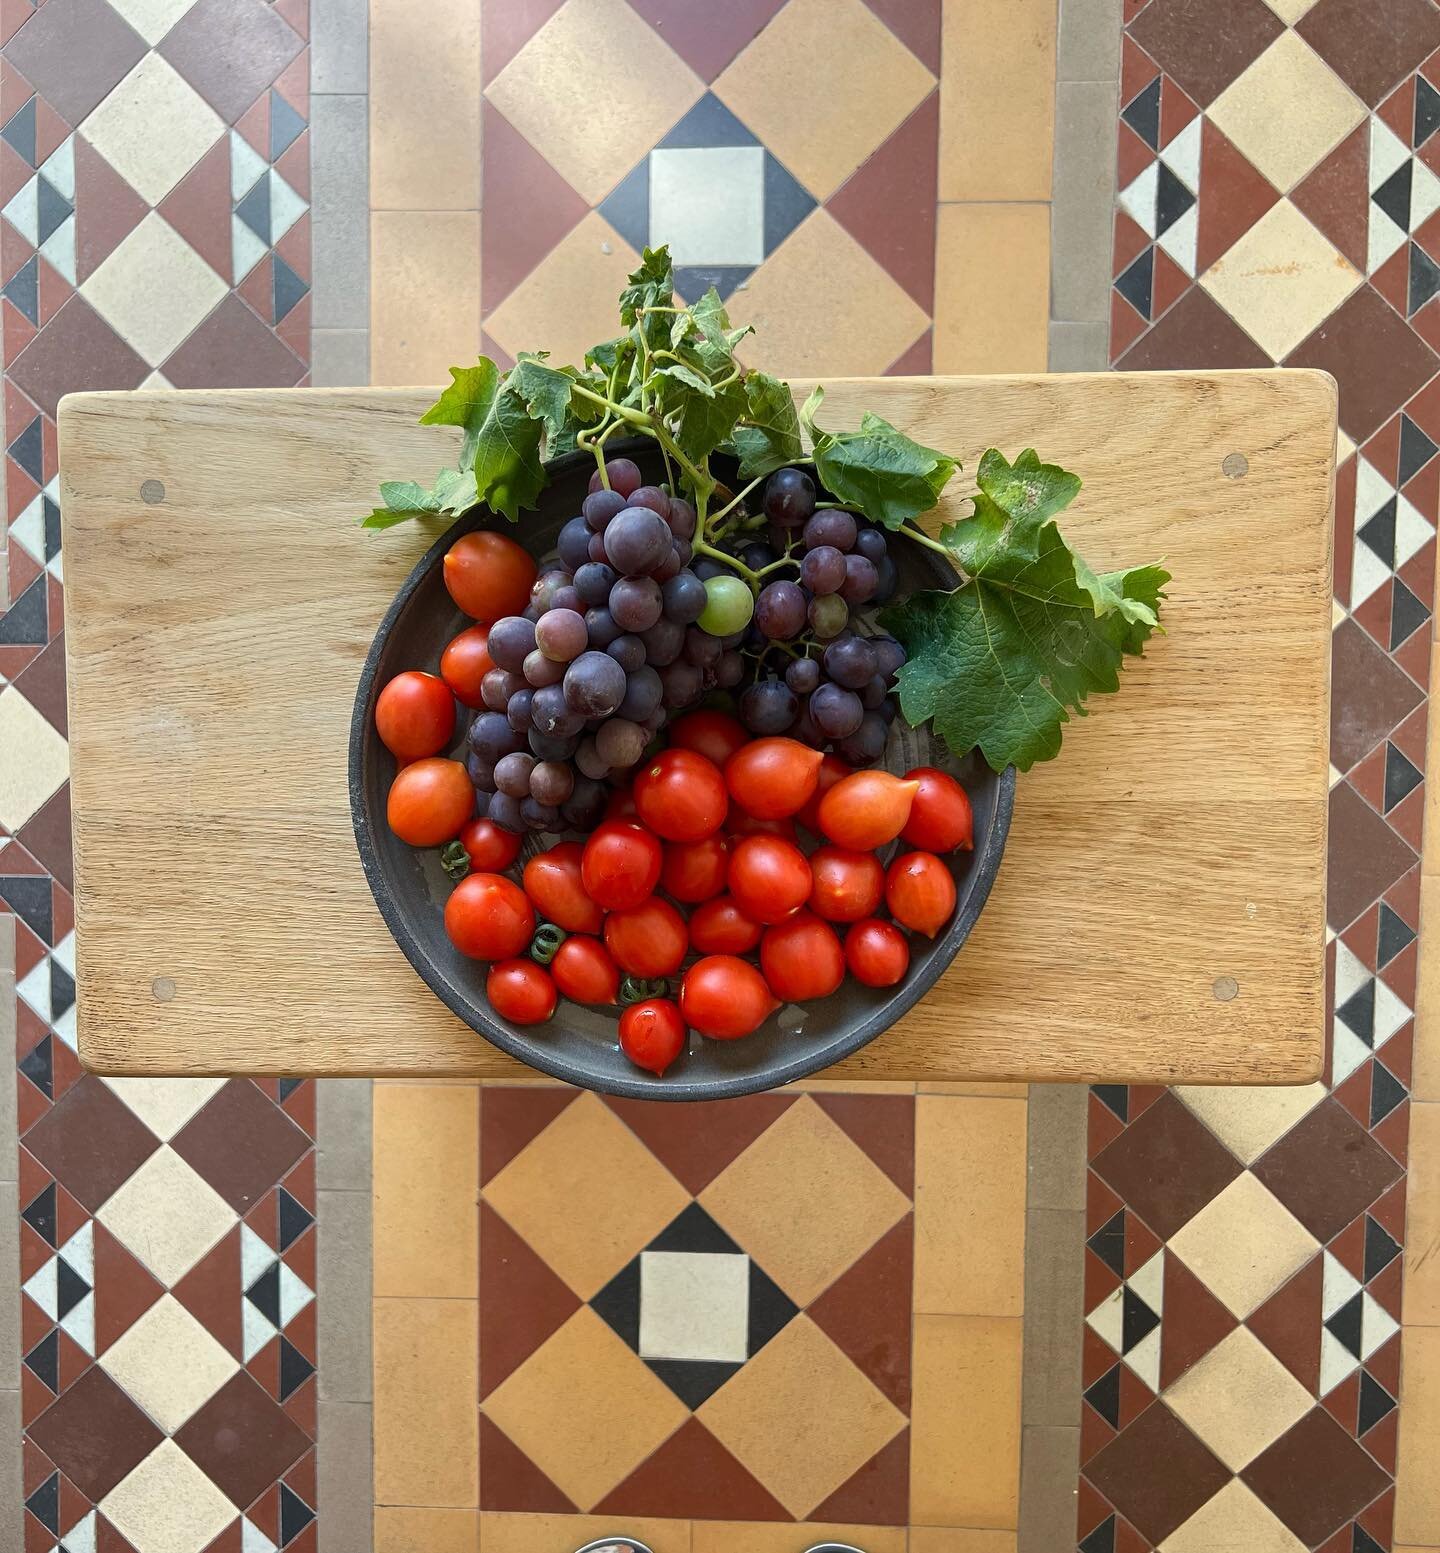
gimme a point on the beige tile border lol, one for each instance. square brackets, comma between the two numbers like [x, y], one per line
[11, 1489]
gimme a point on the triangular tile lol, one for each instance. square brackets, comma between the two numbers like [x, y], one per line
[1177, 111]
[124, 1290]
[1126, 325]
[1169, 285]
[19, 132]
[866, 1312]
[1288, 1323]
[1137, 283]
[882, 1125]
[1424, 279]
[208, 1292]
[523, 1302]
[1407, 615]
[696, 1146]
[198, 207]
[1142, 114]
[285, 127]
[1401, 777]
[509, 1480]
[916, 360]
[692, 1475]
[258, 289]
[1380, 1249]
[288, 290]
[107, 209]
[878, 1492]
[1195, 1321]
[512, 1116]
[1104, 1395]
[1233, 197]
[1108, 1243]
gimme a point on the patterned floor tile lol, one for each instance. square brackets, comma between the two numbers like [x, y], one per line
[73, 52]
[1205, 49]
[230, 51]
[1315, 1477]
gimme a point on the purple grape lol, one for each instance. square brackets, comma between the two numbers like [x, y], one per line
[636, 602]
[497, 687]
[621, 474]
[553, 746]
[574, 544]
[861, 580]
[552, 782]
[532, 612]
[887, 576]
[730, 670]
[491, 737]
[654, 498]
[867, 744]
[539, 816]
[512, 774]
[789, 497]
[831, 527]
[594, 685]
[684, 549]
[482, 804]
[621, 742]
[889, 655]
[547, 585]
[682, 518]
[593, 582]
[551, 712]
[628, 652]
[872, 544]
[560, 634]
[599, 507]
[664, 640]
[597, 547]
[780, 610]
[567, 598]
[510, 639]
[517, 714]
[481, 773]
[643, 692]
[802, 676]
[829, 615]
[705, 569]
[656, 721]
[836, 711]
[887, 709]
[873, 693]
[823, 569]
[587, 758]
[582, 810]
[759, 554]
[600, 623]
[540, 670]
[850, 661]
[768, 706]
[637, 541]
[804, 729]
[505, 812]
[669, 565]
[683, 597]
[702, 649]
[736, 639]
[681, 681]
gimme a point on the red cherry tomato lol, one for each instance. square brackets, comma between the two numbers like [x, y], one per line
[771, 778]
[415, 715]
[721, 927]
[465, 662]
[553, 881]
[847, 885]
[715, 735]
[489, 575]
[620, 805]
[620, 865]
[647, 940]
[832, 768]
[940, 817]
[695, 870]
[866, 809]
[585, 973]
[920, 892]
[652, 1034]
[725, 998]
[876, 952]
[488, 918]
[680, 795]
[429, 801]
[491, 849]
[520, 991]
[801, 958]
[741, 824]
[768, 877]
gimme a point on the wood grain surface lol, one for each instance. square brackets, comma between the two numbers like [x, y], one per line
[215, 636]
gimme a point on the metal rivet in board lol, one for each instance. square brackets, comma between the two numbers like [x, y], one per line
[152, 491]
[163, 988]
[1225, 988]
[1235, 466]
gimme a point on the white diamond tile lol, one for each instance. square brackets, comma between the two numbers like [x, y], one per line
[152, 19]
[28, 530]
[167, 1504]
[166, 1215]
[165, 1104]
[79, 1323]
[168, 1363]
[153, 128]
[708, 204]
[1244, 1244]
[42, 1287]
[1239, 1398]
[286, 207]
[34, 759]
[1137, 199]
[694, 1305]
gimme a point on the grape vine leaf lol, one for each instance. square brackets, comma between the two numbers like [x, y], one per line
[501, 438]
[452, 495]
[769, 436]
[466, 403]
[890, 477]
[1003, 661]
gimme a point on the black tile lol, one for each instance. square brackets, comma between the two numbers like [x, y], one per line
[53, 208]
[295, 1515]
[1407, 614]
[1416, 449]
[1386, 1092]
[1380, 1249]
[1115, 1096]
[39, 1214]
[693, 1230]
[1401, 777]
[20, 132]
[288, 1086]
[293, 1220]
[1427, 111]
[787, 203]
[627, 206]
[71, 1287]
[694, 280]
[295, 1368]
[27, 622]
[1362, 1542]
[1379, 532]
[286, 126]
[23, 289]
[62, 989]
[44, 1504]
[1102, 1539]
[1393, 196]
[1108, 1243]
[264, 1293]
[1344, 1325]
[286, 289]
[1142, 114]
[618, 1304]
[1172, 200]
[1136, 284]
[770, 1310]
[28, 895]
[254, 209]
[694, 1381]
[28, 450]
[38, 1065]
[1424, 280]
[1375, 1402]
[709, 123]
[1137, 1320]
[1104, 1396]
[43, 1360]
[1357, 1012]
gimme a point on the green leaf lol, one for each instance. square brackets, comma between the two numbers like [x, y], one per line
[1003, 661]
[452, 495]
[652, 285]
[545, 390]
[502, 439]
[770, 436]
[890, 477]
[466, 403]
[706, 421]
[687, 375]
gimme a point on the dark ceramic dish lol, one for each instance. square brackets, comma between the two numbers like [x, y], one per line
[579, 1044]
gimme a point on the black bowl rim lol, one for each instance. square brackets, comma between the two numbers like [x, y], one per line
[554, 1064]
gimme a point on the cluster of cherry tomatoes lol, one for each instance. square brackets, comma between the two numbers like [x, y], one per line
[701, 855]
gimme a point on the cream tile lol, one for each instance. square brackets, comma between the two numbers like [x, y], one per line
[1234, 1518]
[165, 1104]
[424, 296]
[767, 1537]
[407, 1530]
[153, 128]
[1425, 1083]
[801, 1375]
[166, 1215]
[587, 1195]
[1244, 1244]
[859, 83]
[548, 92]
[969, 1206]
[34, 759]
[950, 1539]
[153, 289]
[708, 203]
[168, 1363]
[1281, 280]
[1287, 110]
[511, 1533]
[985, 154]
[804, 1201]
[167, 1504]
[427, 1380]
[969, 1087]
[422, 159]
[1248, 1118]
[1417, 1487]
[992, 288]
[1422, 1227]
[965, 1422]
[1290, 11]
[426, 1185]
[821, 305]
[1239, 1398]
[152, 19]
[568, 301]
[585, 1409]
[840, 1086]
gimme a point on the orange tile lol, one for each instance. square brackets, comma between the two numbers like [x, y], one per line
[951, 1539]
[1422, 1229]
[992, 288]
[426, 1419]
[1426, 1081]
[424, 296]
[436, 1531]
[768, 1537]
[1417, 1496]
[512, 1533]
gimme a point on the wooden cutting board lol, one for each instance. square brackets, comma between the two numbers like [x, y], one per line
[1159, 914]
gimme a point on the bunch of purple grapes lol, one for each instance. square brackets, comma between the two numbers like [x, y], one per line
[606, 649]
[839, 691]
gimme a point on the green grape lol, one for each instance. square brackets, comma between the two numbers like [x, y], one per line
[728, 606]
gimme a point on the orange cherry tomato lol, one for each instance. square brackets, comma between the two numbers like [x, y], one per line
[876, 952]
[647, 940]
[620, 865]
[802, 958]
[940, 817]
[866, 809]
[489, 575]
[768, 877]
[725, 998]
[429, 801]
[520, 991]
[772, 778]
[488, 917]
[415, 715]
[680, 795]
[465, 662]
[738, 823]
[652, 1034]
[721, 927]
[715, 735]
[920, 892]
[553, 881]
[847, 885]
[491, 849]
[695, 870]
[832, 768]
[585, 973]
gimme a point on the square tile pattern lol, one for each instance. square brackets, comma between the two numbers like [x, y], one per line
[154, 161]
[652, 1347]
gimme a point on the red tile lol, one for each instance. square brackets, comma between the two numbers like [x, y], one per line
[1409, 736]
[210, 1292]
[1288, 1323]
[915, 22]
[241, 1439]
[1132, 158]
[1177, 109]
[1126, 325]
[1393, 1134]
[1137, 69]
[1315, 1477]
[1373, 616]
[882, 1125]
[240, 1144]
[1233, 197]
[1099, 1281]
[509, 1480]
[694, 1142]
[878, 1493]
[297, 13]
[107, 209]
[1167, 1166]
[522, 1302]
[198, 207]
[293, 164]
[1197, 334]
[691, 1475]
[124, 1290]
[94, 1433]
[506, 26]
[258, 289]
[866, 1313]
[1385, 1286]
[1407, 818]
[1095, 1434]
[266, 1513]
[1372, 44]
[293, 83]
[510, 1117]
[1397, 111]
[1140, 1244]
[1194, 1321]
[230, 51]
[1354, 1094]
[1205, 47]
[253, 126]
[1343, 1403]
[1157, 1502]
[915, 361]
[1392, 280]
[1326, 1170]
[77, 334]
[1169, 284]
[233, 349]
[91, 1142]
[1091, 1508]
[1135, 1396]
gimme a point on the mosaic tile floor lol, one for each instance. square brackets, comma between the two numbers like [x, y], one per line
[154, 231]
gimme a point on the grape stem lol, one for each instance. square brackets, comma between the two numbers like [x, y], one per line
[838, 506]
[700, 547]
[785, 560]
[921, 538]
